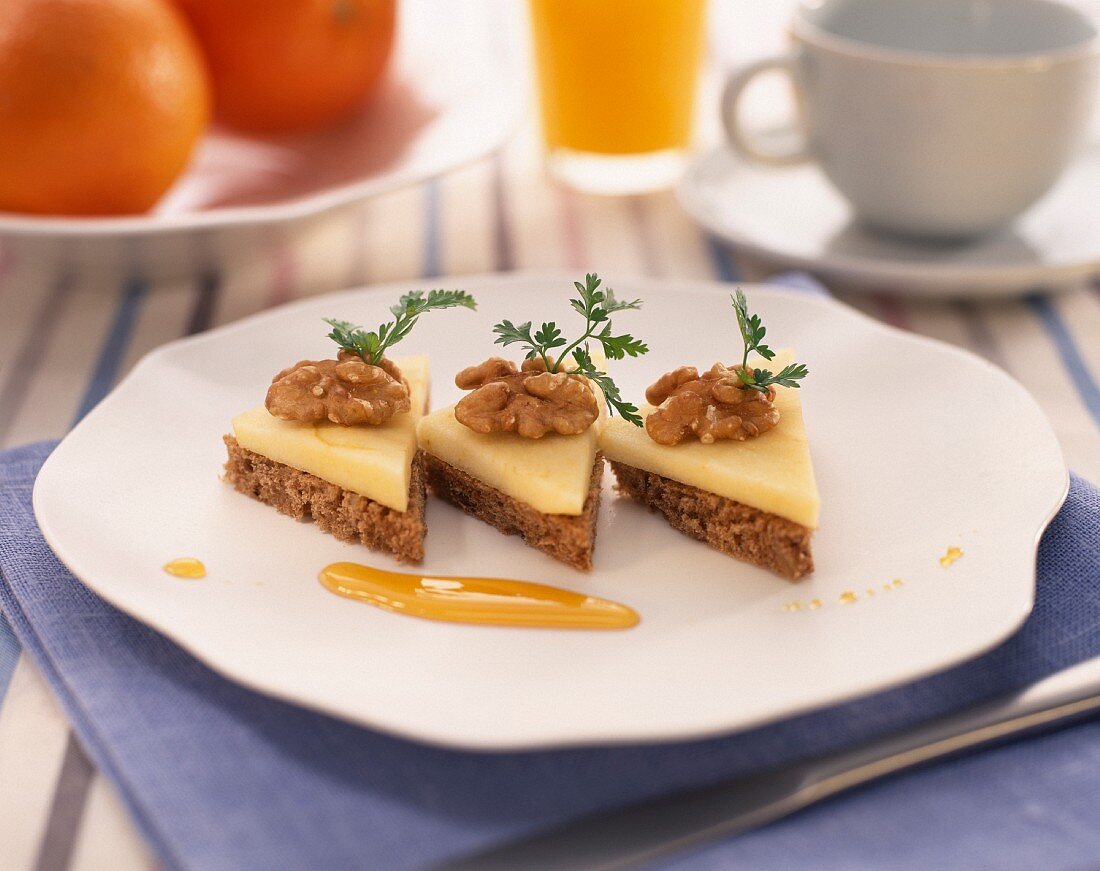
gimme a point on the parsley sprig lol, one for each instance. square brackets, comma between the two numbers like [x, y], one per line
[596, 306]
[752, 334]
[371, 346]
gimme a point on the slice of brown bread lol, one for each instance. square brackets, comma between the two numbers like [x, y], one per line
[346, 515]
[566, 537]
[746, 533]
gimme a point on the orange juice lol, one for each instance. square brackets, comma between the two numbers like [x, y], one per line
[617, 77]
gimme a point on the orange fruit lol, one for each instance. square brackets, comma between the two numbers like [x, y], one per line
[101, 104]
[281, 66]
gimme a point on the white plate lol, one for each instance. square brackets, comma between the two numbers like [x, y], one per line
[918, 446]
[792, 216]
[455, 90]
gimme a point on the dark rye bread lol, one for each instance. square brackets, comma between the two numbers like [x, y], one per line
[746, 533]
[566, 537]
[346, 515]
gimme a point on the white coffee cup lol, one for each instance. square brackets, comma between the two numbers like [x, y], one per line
[935, 118]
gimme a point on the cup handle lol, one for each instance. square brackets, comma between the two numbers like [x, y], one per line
[731, 100]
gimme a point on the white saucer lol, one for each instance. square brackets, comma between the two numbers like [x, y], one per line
[791, 215]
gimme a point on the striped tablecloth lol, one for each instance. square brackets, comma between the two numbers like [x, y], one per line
[66, 338]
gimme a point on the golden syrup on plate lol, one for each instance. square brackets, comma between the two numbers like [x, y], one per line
[186, 567]
[953, 553]
[847, 597]
[499, 601]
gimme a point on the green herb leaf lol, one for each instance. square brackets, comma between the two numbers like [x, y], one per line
[610, 304]
[628, 411]
[596, 305]
[549, 336]
[509, 334]
[371, 346]
[617, 347]
[790, 375]
[752, 336]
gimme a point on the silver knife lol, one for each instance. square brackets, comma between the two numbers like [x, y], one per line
[641, 834]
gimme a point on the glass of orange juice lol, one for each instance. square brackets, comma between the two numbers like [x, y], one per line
[616, 81]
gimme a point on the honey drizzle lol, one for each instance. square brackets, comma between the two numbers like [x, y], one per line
[850, 597]
[499, 601]
[953, 553]
[847, 597]
[185, 567]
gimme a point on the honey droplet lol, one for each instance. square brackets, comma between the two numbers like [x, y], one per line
[887, 587]
[815, 604]
[870, 591]
[897, 582]
[186, 567]
[953, 553]
[848, 597]
[793, 606]
[475, 600]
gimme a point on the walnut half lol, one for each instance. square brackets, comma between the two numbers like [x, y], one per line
[710, 407]
[347, 391]
[529, 401]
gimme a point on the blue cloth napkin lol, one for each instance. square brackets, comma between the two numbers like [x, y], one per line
[218, 777]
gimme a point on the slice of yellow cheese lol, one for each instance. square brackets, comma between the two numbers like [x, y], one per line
[551, 474]
[373, 461]
[772, 472]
